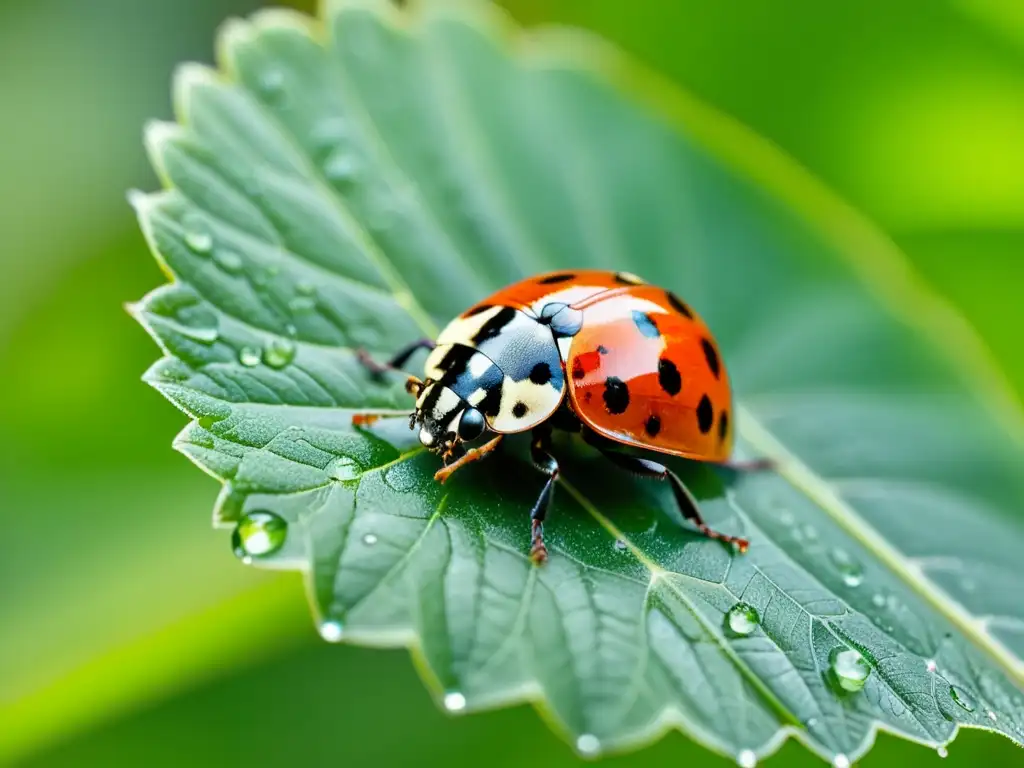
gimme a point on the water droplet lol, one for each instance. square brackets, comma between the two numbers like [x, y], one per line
[305, 289]
[942, 752]
[840, 761]
[587, 744]
[400, 477]
[249, 356]
[992, 716]
[331, 631]
[341, 167]
[620, 545]
[272, 83]
[962, 698]
[742, 619]
[930, 665]
[454, 701]
[229, 261]
[278, 353]
[207, 422]
[746, 759]
[849, 669]
[197, 235]
[344, 469]
[810, 533]
[850, 570]
[259, 533]
[301, 305]
[878, 600]
[369, 540]
[811, 722]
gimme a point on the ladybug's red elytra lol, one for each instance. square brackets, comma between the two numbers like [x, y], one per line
[603, 353]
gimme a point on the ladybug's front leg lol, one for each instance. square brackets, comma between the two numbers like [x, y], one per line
[547, 464]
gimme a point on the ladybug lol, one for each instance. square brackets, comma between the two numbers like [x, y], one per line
[626, 364]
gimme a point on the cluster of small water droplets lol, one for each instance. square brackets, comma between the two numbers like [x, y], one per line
[849, 669]
[259, 533]
[849, 569]
[742, 619]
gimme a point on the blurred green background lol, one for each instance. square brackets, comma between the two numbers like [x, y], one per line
[130, 635]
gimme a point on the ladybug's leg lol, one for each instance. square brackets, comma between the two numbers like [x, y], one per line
[396, 362]
[751, 465]
[655, 471]
[546, 463]
[473, 454]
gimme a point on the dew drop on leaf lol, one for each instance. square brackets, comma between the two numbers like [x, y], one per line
[331, 631]
[746, 759]
[301, 305]
[197, 235]
[878, 600]
[587, 744]
[305, 289]
[849, 669]
[249, 356]
[840, 761]
[742, 619]
[942, 752]
[341, 167]
[278, 353]
[992, 716]
[930, 665]
[229, 261]
[962, 698]
[620, 545]
[370, 539]
[454, 701]
[344, 469]
[259, 533]
[271, 84]
[849, 569]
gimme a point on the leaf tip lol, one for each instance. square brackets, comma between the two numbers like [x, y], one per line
[190, 76]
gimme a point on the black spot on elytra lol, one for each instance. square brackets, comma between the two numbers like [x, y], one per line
[653, 425]
[678, 304]
[645, 324]
[602, 349]
[493, 326]
[559, 277]
[616, 394]
[668, 376]
[705, 415]
[723, 425]
[577, 369]
[588, 396]
[519, 409]
[478, 310]
[711, 355]
[541, 374]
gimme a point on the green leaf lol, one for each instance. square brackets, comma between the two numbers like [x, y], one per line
[358, 181]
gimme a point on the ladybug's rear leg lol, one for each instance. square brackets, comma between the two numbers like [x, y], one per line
[546, 463]
[751, 465]
[655, 471]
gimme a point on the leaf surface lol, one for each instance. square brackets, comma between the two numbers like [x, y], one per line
[358, 181]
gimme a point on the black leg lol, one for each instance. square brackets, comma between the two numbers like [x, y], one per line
[752, 465]
[654, 471]
[546, 463]
[396, 362]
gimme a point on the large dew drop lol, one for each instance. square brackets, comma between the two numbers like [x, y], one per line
[587, 744]
[278, 353]
[258, 534]
[197, 235]
[454, 701]
[331, 631]
[849, 669]
[962, 698]
[742, 619]
[746, 759]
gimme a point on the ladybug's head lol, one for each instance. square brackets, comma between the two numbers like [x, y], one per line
[445, 420]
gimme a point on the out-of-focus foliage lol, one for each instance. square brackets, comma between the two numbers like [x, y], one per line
[123, 596]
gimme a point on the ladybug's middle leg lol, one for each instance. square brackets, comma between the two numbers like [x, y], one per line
[546, 463]
[653, 470]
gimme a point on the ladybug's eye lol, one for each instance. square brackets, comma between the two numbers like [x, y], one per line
[471, 425]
